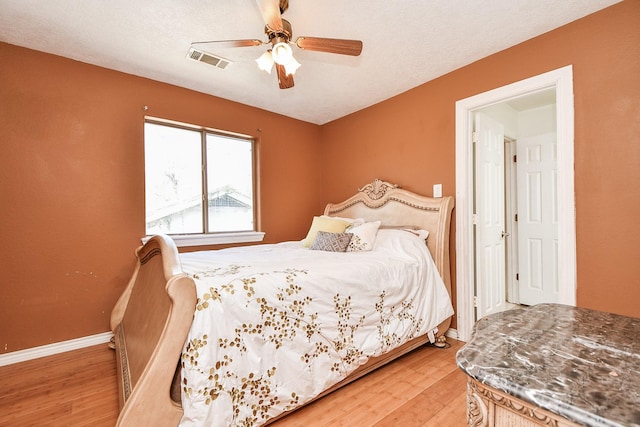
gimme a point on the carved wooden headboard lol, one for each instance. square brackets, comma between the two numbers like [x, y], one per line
[394, 206]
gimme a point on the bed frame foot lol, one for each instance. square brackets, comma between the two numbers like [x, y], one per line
[441, 342]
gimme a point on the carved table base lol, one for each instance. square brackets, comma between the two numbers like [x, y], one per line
[488, 407]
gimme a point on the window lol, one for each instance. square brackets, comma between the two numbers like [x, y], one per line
[199, 184]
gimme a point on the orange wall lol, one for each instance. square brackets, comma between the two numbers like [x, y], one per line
[72, 186]
[71, 167]
[410, 139]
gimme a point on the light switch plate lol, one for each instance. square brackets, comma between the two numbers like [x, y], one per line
[437, 190]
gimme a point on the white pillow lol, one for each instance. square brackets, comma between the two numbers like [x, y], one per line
[423, 234]
[364, 236]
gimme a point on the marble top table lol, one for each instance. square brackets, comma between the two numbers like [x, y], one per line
[581, 364]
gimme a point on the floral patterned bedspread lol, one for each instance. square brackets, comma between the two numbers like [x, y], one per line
[275, 325]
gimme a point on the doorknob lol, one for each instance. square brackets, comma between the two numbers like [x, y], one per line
[504, 234]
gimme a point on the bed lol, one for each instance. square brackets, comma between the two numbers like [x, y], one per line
[175, 356]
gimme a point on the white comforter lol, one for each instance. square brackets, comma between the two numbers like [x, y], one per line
[275, 325]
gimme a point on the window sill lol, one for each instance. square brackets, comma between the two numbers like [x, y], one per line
[186, 240]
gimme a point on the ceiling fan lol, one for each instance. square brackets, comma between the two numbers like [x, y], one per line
[279, 36]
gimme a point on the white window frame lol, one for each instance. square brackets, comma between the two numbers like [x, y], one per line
[214, 238]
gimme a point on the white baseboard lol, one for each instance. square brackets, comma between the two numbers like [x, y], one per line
[61, 347]
[55, 348]
[452, 333]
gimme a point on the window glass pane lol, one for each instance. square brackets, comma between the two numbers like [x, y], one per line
[173, 180]
[230, 183]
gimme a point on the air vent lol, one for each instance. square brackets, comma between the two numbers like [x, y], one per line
[207, 58]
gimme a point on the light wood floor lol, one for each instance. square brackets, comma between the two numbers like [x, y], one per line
[78, 388]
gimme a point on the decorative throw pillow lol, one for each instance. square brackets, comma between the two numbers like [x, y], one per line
[331, 242]
[324, 224]
[363, 236]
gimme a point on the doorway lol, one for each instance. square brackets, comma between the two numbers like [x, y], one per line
[516, 228]
[488, 279]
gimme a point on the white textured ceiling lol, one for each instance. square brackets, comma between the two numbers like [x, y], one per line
[406, 43]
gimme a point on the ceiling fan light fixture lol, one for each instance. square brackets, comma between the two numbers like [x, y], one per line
[265, 62]
[292, 66]
[282, 52]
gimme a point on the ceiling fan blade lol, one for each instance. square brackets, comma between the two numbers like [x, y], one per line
[340, 46]
[270, 11]
[230, 43]
[285, 81]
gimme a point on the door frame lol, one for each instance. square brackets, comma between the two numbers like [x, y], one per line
[562, 80]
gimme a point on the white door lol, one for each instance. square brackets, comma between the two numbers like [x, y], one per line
[511, 221]
[489, 217]
[538, 219]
